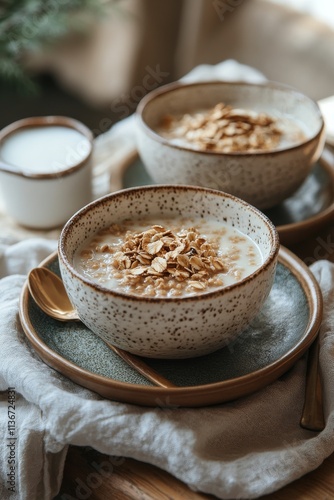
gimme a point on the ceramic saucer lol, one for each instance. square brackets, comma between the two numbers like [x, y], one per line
[297, 218]
[279, 335]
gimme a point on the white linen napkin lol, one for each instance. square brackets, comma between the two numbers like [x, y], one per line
[248, 448]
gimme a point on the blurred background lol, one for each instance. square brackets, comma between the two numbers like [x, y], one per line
[95, 59]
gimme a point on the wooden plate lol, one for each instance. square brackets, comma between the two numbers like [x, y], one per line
[280, 334]
[296, 219]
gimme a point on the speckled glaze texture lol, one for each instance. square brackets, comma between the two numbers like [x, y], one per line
[263, 179]
[169, 327]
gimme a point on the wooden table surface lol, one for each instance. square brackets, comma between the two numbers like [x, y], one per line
[125, 478]
[133, 480]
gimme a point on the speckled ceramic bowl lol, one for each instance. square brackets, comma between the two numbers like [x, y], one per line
[263, 179]
[169, 327]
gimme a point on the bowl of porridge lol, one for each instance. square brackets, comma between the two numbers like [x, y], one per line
[168, 271]
[255, 141]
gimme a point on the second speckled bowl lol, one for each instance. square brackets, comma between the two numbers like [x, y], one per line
[176, 327]
[263, 178]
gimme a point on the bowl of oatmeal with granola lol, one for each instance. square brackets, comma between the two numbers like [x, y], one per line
[168, 271]
[255, 141]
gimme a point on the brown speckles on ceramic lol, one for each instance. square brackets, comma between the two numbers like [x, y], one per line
[264, 179]
[169, 327]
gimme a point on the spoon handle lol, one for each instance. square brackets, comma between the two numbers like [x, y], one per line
[48, 291]
[141, 367]
[313, 416]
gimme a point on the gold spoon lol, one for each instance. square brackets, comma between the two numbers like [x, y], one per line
[313, 415]
[49, 293]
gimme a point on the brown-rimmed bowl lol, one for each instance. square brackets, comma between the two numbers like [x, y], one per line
[176, 327]
[262, 178]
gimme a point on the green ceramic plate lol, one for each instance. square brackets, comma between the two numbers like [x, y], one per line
[279, 335]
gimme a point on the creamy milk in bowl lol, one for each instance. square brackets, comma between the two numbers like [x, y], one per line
[258, 142]
[168, 271]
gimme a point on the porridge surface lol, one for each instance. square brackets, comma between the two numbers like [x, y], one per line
[167, 257]
[225, 129]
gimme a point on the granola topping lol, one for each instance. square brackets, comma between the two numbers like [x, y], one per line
[226, 129]
[167, 260]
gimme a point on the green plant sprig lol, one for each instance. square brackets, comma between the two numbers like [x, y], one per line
[29, 25]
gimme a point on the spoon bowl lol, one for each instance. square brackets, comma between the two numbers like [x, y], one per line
[49, 293]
